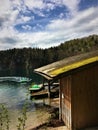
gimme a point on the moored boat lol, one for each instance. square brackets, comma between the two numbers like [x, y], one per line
[36, 87]
[15, 79]
[23, 79]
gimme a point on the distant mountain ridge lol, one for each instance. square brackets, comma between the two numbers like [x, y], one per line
[23, 61]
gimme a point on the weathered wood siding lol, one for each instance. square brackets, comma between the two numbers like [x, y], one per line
[85, 98]
[65, 96]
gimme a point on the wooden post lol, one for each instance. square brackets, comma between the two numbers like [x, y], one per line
[49, 90]
[43, 82]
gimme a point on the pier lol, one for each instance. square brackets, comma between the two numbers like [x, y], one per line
[44, 93]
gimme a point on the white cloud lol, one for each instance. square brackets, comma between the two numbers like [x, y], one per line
[34, 4]
[23, 19]
[12, 17]
[39, 12]
[50, 6]
[61, 15]
[8, 16]
[72, 5]
[56, 2]
[4, 7]
[16, 2]
[81, 20]
[27, 27]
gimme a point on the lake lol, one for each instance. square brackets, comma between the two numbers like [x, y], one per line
[13, 96]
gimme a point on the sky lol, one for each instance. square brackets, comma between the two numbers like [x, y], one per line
[45, 23]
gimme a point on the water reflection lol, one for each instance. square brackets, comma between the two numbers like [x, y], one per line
[13, 94]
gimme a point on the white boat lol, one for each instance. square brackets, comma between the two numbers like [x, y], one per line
[15, 79]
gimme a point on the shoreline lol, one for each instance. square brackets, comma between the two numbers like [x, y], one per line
[38, 116]
[52, 121]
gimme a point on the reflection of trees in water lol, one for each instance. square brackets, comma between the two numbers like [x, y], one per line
[16, 72]
[22, 73]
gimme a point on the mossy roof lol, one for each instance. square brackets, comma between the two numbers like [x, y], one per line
[68, 64]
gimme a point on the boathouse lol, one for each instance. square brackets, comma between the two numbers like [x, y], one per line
[78, 78]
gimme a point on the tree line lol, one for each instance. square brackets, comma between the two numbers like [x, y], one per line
[24, 61]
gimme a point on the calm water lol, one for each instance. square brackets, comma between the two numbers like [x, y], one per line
[13, 95]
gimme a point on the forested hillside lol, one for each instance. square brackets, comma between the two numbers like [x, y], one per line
[23, 61]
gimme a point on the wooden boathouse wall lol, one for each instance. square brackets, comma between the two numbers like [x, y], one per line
[85, 97]
[79, 98]
[65, 100]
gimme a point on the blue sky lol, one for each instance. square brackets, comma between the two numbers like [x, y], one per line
[45, 23]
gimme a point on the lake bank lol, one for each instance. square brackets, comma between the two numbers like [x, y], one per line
[51, 119]
[36, 119]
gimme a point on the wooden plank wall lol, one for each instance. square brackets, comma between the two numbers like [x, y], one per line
[65, 97]
[85, 98]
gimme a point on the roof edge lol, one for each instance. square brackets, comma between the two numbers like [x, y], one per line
[43, 74]
[73, 66]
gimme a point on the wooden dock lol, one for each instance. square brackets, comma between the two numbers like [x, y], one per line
[44, 93]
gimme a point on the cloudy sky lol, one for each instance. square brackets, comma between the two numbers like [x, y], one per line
[45, 23]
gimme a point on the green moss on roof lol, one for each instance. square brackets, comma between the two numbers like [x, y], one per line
[73, 66]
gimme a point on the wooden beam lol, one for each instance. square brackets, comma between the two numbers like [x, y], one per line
[49, 92]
